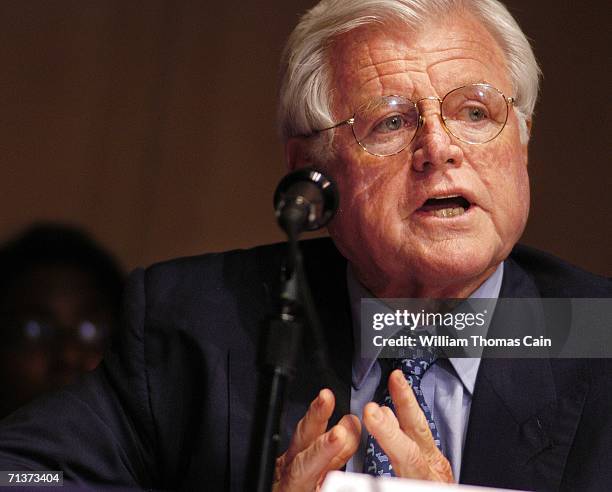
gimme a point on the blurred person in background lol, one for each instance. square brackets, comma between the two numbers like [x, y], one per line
[60, 298]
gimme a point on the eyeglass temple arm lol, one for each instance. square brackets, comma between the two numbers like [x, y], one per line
[350, 122]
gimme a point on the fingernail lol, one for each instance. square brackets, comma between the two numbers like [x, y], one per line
[333, 435]
[319, 401]
[401, 379]
[376, 414]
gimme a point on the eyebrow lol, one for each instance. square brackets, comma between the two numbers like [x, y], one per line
[412, 96]
[463, 83]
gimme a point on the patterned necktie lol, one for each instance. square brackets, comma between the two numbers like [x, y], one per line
[376, 461]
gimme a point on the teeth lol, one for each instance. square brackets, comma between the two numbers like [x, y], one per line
[445, 196]
[445, 213]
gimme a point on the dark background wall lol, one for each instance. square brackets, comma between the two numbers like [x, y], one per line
[152, 123]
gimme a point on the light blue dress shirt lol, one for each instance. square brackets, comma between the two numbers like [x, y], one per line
[447, 386]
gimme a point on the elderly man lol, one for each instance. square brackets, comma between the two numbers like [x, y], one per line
[420, 111]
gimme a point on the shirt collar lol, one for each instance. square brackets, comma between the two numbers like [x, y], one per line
[466, 368]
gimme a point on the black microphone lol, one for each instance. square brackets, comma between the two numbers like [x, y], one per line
[305, 200]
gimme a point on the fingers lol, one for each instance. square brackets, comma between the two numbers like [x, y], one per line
[403, 452]
[411, 418]
[312, 425]
[313, 452]
[351, 442]
[353, 437]
[304, 471]
[407, 439]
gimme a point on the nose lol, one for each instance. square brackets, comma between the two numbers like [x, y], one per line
[433, 145]
[70, 356]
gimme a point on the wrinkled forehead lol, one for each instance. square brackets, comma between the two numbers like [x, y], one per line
[388, 57]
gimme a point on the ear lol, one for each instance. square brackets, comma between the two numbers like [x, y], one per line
[529, 126]
[296, 153]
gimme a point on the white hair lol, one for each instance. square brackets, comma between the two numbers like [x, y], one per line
[305, 93]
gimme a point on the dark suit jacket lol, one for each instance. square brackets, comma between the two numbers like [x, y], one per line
[172, 404]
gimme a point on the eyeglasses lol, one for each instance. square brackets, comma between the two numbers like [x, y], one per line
[32, 332]
[474, 114]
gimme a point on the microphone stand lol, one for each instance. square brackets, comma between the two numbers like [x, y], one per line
[283, 334]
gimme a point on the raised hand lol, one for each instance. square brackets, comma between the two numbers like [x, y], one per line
[406, 439]
[313, 451]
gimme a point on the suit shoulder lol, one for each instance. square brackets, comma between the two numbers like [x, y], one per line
[209, 273]
[213, 263]
[557, 278]
[223, 272]
[208, 263]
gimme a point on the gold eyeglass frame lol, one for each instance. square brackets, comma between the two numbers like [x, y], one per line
[351, 121]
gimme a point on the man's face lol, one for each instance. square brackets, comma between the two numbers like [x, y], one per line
[397, 247]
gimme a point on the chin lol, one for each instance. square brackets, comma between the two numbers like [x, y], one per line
[452, 269]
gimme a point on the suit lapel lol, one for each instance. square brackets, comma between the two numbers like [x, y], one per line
[258, 289]
[520, 429]
[326, 272]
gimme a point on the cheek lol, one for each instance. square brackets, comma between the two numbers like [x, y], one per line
[91, 361]
[508, 189]
[29, 367]
[371, 193]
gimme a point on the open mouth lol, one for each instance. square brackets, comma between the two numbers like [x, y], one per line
[446, 207]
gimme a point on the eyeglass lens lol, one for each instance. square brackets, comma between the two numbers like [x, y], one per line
[474, 114]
